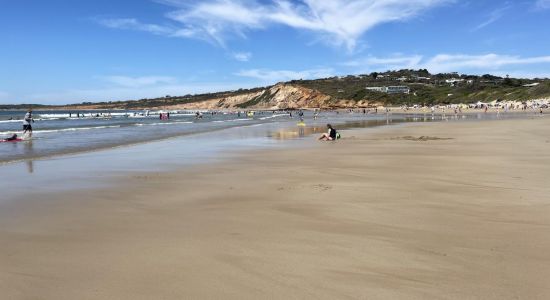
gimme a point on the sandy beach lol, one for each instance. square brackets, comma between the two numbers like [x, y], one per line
[449, 210]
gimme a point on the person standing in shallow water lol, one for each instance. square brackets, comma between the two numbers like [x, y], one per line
[27, 127]
[301, 114]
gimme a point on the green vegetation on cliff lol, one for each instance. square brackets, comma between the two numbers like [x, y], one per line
[425, 88]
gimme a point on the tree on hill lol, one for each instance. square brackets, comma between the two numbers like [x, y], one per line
[490, 77]
[423, 73]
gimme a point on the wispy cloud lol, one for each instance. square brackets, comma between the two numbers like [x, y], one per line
[494, 16]
[542, 4]
[272, 76]
[449, 62]
[446, 62]
[242, 56]
[173, 30]
[391, 62]
[136, 82]
[114, 93]
[133, 24]
[522, 74]
[342, 22]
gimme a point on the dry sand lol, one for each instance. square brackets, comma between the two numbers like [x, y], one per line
[422, 211]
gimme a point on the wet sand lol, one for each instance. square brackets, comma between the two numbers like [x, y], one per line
[457, 210]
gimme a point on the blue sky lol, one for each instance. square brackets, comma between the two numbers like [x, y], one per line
[66, 51]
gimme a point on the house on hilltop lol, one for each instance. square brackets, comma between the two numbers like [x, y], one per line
[390, 89]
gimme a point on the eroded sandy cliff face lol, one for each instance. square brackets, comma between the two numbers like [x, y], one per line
[231, 102]
[279, 96]
[289, 96]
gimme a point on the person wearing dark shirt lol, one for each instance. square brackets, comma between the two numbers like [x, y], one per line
[330, 135]
[11, 138]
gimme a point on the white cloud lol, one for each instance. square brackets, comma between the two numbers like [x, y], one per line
[342, 22]
[272, 76]
[134, 24]
[242, 56]
[136, 82]
[494, 16]
[162, 30]
[543, 4]
[487, 62]
[450, 63]
[522, 74]
[391, 63]
[127, 93]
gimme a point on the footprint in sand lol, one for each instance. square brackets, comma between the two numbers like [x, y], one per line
[283, 188]
[420, 138]
[322, 187]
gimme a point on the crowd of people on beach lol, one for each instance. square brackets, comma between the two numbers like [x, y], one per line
[536, 106]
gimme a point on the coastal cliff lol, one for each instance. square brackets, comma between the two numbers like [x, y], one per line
[409, 87]
[279, 96]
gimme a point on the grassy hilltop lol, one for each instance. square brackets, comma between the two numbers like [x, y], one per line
[434, 90]
[347, 91]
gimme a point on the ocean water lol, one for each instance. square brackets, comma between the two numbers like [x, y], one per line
[68, 153]
[64, 132]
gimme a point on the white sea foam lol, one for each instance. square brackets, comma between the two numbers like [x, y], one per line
[273, 116]
[163, 123]
[74, 129]
[233, 120]
[65, 129]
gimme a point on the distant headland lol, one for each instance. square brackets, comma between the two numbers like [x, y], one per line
[403, 87]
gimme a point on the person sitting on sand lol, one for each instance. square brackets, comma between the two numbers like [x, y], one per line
[330, 135]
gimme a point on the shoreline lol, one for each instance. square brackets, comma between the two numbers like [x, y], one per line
[351, 117]
[97, 167]
[462, 213]
[418, 110]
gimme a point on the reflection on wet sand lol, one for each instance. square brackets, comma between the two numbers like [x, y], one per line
[295, 132]
[303, 131]
[30, 166]
[28, 150]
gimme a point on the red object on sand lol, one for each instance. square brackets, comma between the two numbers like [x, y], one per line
[12, 141]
